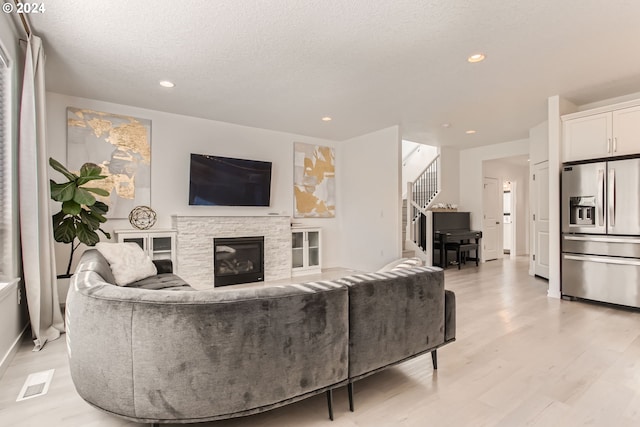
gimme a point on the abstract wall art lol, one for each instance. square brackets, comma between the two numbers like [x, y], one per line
[121, 146]
[314, 182]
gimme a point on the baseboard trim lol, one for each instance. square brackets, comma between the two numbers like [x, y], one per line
[8, 357]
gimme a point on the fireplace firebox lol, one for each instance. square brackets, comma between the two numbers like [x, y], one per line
[238, 260]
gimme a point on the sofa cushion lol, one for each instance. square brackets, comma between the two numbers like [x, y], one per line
[164, 281]
[393, 316]
[128, 262]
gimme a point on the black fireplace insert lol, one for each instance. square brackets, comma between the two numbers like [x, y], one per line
[238, 260]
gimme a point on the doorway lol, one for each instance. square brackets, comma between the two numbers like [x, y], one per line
[506, 190]
[491, 220]
[508, 217]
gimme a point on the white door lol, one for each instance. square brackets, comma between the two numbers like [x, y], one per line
[492, 214]
[541, 220]
[507, 226]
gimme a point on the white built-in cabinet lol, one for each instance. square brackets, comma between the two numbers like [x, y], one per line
[589, 135]
[626, 131]
[157, 244]
[306, 250]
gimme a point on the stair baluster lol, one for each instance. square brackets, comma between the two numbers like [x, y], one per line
[423, 192]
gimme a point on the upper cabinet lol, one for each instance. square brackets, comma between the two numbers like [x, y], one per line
[626, 132]
[589, 135]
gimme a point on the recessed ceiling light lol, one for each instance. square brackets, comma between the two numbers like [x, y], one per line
[326, 119]
[446, 125]
[470, 131]
[166, 83]
[476, 57]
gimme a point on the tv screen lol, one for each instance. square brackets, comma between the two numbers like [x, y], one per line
[224, 181]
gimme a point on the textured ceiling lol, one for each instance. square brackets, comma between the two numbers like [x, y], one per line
[369, 64]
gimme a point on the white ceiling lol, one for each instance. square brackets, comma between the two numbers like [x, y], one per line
[369, 64]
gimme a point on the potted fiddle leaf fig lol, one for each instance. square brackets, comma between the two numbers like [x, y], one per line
[81, 215]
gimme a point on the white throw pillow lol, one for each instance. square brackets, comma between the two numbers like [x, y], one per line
[128, 262]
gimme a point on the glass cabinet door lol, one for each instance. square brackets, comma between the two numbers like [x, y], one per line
[161, 247]
[140, 241]
[157, 245]
[313, 239]
[297, 245]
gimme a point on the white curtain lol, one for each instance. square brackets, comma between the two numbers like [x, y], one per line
[36, 227]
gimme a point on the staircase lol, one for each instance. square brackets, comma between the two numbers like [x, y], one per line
[421, 194]
[406, 253]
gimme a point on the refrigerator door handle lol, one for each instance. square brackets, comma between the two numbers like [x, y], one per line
[600, 197]
[603, 260]
[602, 239]
[611, 199]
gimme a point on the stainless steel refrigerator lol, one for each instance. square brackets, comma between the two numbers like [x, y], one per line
[601, 231]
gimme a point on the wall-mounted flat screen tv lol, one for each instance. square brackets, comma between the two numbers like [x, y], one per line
[225, 181]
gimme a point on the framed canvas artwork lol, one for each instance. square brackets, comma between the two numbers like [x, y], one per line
[314, 182]
[121, 146]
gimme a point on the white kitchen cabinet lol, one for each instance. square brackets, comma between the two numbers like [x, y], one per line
[605, 134]
[306, 251]
[157, 244]
[626, 131]
[587, 137]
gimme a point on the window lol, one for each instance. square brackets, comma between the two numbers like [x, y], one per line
[6, 255]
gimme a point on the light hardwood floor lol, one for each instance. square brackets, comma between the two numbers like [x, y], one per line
[520, 359]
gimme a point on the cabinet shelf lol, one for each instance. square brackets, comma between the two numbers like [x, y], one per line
[306, 251]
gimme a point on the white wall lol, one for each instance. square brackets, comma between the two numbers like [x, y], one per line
[471, 174]
[174, 137]
[556, 108]
[539, 143]
[450, 175]
[416, 162]
[505, 171]
[449, 171]
[13, 316]
[602, 103]
[370, 199]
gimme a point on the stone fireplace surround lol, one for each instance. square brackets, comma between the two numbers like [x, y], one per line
[194, 244]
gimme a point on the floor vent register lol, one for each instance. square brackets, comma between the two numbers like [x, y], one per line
[37, 384]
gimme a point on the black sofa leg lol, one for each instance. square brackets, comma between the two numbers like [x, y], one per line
[350, 391]
[434, 359]
[330, 403]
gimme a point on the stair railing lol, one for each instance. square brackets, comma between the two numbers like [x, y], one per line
[421, 194]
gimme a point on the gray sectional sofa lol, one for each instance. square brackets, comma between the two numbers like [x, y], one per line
[395, 316]
[157, 351]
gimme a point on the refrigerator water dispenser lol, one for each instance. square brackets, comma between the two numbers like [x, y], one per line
[582, 210]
